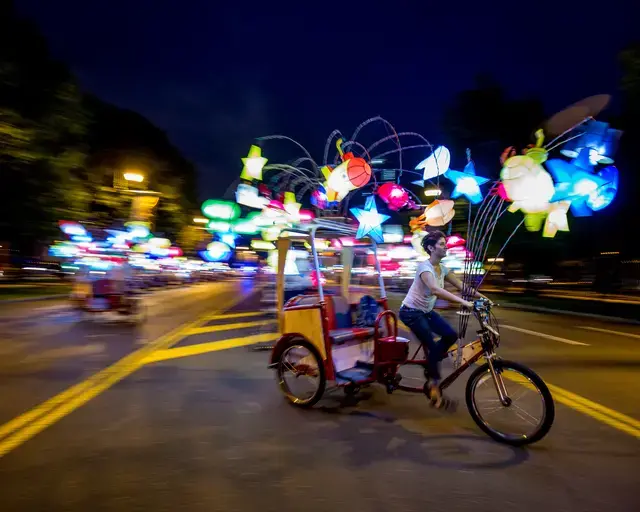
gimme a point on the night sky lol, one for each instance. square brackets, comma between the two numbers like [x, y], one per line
[216, 74]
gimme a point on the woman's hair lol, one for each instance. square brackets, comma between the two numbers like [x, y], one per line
[431, 239]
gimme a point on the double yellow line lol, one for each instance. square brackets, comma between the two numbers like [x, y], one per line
[24, 427]
[597, 411]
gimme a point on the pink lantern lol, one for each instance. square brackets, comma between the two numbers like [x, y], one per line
[306, 215]
[455, 241]
[394, 195]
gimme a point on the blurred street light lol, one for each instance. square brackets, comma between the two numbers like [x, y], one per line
[134, 176]
[432, 192]
[200, 220]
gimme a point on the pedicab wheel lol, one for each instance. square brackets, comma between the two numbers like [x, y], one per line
[523, 386]
[301, 376]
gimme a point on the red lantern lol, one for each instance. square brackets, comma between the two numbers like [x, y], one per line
[394, 195]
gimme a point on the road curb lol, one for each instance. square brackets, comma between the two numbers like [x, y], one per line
[540, 309]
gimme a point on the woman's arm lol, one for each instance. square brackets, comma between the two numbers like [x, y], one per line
[453, 280]
[429, 279]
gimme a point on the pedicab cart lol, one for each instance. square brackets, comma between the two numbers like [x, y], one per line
[334, 338]
[104, 294]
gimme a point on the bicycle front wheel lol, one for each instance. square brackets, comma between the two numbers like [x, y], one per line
[525, 412]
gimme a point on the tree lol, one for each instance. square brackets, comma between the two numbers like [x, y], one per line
[119, 140]
[42, 125]
[60, 149]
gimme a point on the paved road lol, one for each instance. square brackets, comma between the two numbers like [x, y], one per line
[193, 421]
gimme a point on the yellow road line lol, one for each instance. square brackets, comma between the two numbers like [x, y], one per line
[596, 406]
[237, 315]
[227, 327]
[595, 410]
[583, 405]
[212, 346]
[40, 417]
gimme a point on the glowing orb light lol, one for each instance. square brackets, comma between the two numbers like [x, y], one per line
[370, 220]
[229, 239]
[218, 251]
[245, 227]
[221, 210]
[72, 228]
[219, 226]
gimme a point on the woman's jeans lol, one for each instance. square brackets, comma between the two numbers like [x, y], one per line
[423, 325]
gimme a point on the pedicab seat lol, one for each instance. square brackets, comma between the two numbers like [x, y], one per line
[341, 327]
[339, 316]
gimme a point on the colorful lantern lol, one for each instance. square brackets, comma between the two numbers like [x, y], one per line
[435, 164]
[248, 196]
[291, 206]
[218, 251]
[394, 195]
[245, 227]
[220, 210]
[556, 219]
[605, 194]
[370, 220]
[527, 184]
[72, 228]
[219, 226]
[271, 233]
[319, 198]
[455, 241]
[467, 183]
[439, 213]
[577, 184]
[253, 164]
[354, 172]
[416, 241]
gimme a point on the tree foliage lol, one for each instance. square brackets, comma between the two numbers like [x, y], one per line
[60, 149]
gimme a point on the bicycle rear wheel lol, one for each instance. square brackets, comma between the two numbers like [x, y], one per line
[521, 386]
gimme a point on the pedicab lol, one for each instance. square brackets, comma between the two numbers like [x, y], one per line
[327, 338]
[106, 294]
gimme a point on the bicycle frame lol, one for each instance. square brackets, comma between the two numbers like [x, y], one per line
[487, 336]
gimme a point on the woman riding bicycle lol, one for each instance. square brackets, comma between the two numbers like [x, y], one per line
[417, 312]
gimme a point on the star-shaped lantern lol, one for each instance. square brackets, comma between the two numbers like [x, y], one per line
[291, 206]
[370, 220]
[253, 164]
[467, 183]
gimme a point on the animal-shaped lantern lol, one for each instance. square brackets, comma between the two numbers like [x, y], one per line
[354, 172]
